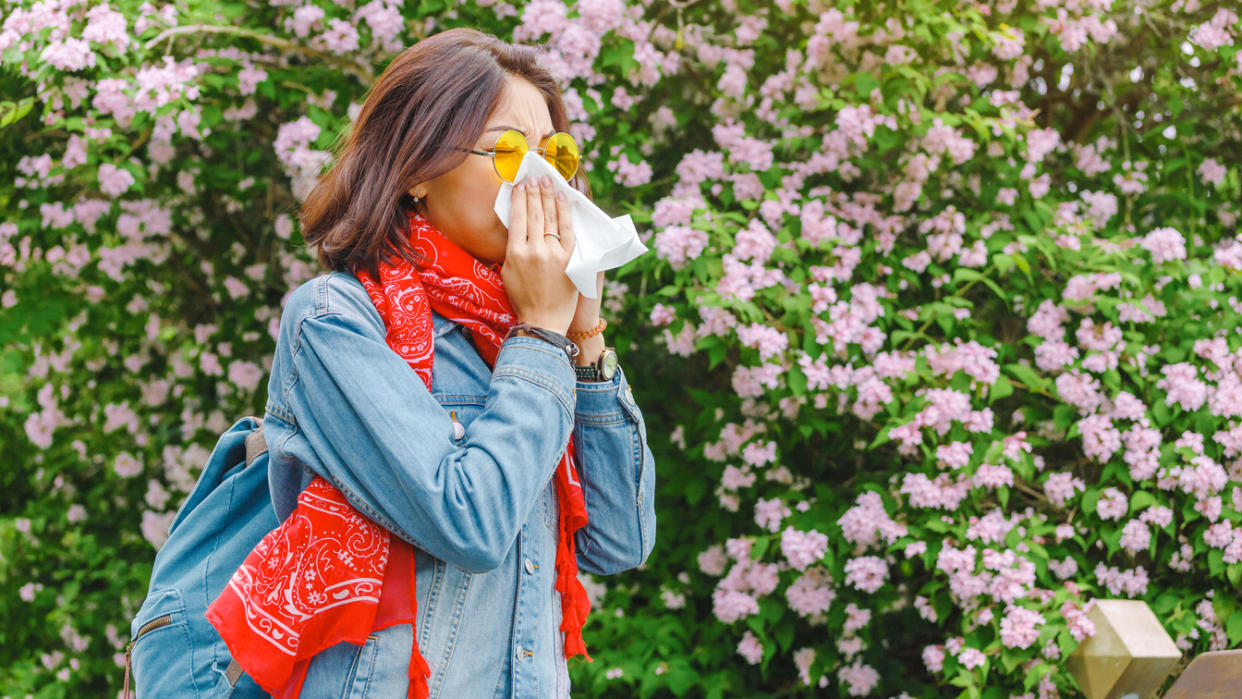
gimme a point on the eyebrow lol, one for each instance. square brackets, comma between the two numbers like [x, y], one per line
[502, 127]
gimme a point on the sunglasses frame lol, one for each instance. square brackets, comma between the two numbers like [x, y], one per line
[541, 150]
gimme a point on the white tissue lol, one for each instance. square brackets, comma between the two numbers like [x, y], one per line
[601, 242]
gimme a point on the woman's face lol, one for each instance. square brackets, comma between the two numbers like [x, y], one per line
[460, 202]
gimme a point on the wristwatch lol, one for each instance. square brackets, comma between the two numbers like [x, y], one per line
[604, 368]
[566, 344]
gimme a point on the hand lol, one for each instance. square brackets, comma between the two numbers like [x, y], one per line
[534, 268]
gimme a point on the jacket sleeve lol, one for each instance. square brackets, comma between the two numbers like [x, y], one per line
[617, 472]
[381, 438]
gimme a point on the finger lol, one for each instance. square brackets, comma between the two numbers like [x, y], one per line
[565, 222]
[534, 214]
[550, 224]
[518, 215]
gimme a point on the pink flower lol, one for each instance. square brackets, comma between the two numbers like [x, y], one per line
[245, 375]
[867, 520]
[933, 658]
[770, 513]
[155, 527]
[866, 573]
[679, 244]
[1158, 515]
[384, 19]
[1212, 172]
[990, 476]
[1135, 537]
[855, 617]
[803, 548]
[1099, 438]
[1112, 504]
[341, 37]
[305, 18]
[126, 466]
[68, 54]
[1080, 627]
[1131, 582]
[105, 25]
[114, 181]
[633, 174]
[954, 454]
[860, 679]
[1165, 244]
[811, 593]
[713, 560]
[729, 605]
[750, 648]
[971, 658]
[1040, 142]
[1017, 629]
[1060, 487]
[991, 528]
[768, 340]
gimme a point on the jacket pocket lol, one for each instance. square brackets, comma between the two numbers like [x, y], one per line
[462, 410]
[160, 650]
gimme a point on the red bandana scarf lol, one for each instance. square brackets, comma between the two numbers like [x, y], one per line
[328, 574]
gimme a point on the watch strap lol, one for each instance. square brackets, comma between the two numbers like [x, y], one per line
[595, 370]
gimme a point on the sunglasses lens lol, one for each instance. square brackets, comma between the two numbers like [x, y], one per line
[510, 148]
[562, 152]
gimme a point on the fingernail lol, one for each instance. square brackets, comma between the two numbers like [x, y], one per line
[560, 195]
[520, 186]
[547, 181]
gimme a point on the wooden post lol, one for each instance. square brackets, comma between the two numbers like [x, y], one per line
[1130, 653]
[1213, 675]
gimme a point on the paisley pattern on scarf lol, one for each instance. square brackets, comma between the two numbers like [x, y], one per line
[324, 575]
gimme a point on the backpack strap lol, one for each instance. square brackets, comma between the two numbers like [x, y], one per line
[256, 445]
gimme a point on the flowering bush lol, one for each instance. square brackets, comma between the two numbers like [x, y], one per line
[948, 294]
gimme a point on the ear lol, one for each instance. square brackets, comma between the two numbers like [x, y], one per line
[419, 191]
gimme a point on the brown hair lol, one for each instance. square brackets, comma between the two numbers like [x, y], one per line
[434, 97]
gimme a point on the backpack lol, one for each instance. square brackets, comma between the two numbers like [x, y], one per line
[174, 650]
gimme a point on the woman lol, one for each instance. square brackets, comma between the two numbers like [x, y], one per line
[428, 383]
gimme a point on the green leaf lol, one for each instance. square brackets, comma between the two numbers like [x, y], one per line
[1001, 389]
[1027, 376]
[759, 548]
[797, 381]
[1233, 628]
[11, 112]
[695, 489]
[1089, 500]
[1141, 500]
[784, 636]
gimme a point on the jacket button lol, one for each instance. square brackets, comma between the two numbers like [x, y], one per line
[530, 566]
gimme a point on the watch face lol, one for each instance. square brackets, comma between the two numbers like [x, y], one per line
[608, 365]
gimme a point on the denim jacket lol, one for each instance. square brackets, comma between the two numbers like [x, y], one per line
[476, 499]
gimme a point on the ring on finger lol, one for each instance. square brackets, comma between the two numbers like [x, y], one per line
[553, 234]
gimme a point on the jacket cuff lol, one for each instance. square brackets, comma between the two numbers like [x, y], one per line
[541, 363]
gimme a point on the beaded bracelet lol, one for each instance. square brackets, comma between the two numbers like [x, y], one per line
[582, 335]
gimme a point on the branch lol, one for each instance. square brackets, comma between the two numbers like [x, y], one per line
[363, 73]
